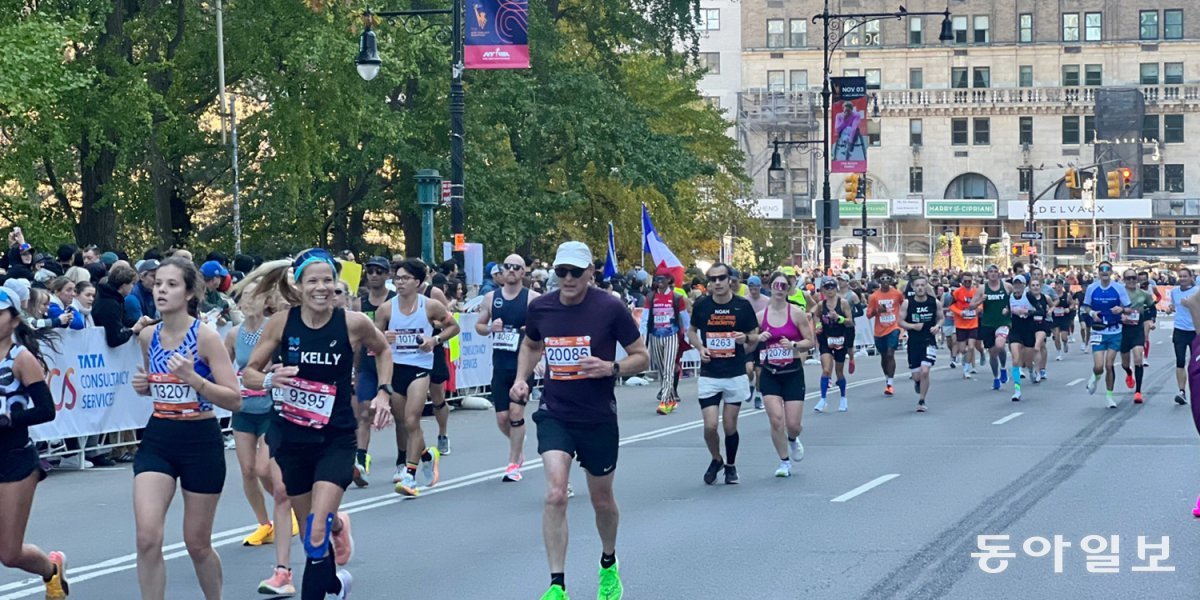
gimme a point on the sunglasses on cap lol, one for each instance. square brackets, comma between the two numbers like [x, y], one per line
[563, 270]
[717, 278]
[513, 267]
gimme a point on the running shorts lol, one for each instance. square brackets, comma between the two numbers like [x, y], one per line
[319, 455]
[889, 342]
[921, 352]
[502, 381]
[404, 375]
[1132, 337]
[191, 451]
[1023, 333]
[988, 335]
[366, 383]
[256, 423]
[17, 463]
[595, 444]
[963, 335]
[1182, 340]
[1062, 323]
[1105, 341]
[713, 390]
[789, 386]
[839, 354]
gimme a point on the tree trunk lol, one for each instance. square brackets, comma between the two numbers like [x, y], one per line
[356, 228]
[98, 219]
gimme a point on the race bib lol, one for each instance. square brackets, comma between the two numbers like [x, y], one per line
[721, 344]
[931, 353]
[408, 341]
[836, 342]
[172, 397]
[306, 403]
[508, 340]
[1060, 312]
[887, 318]
[1002, 331]
[1131, 319]
[1038, 318]
[968, 314]
[664, 318]
[1096, 337]
[780, 355]
[563, 356]
[249, 393]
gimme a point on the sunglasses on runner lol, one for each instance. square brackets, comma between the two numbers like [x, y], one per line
[781, 286]
[563, 270]
[513, 267]
[829, 286]
[717, 278]
[376, 271]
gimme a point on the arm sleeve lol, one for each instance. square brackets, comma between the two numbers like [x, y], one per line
[41, 411]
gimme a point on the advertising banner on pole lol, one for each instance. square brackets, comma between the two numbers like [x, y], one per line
[848, 125]
[497, 35]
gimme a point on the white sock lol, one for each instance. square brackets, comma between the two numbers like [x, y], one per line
[889, 381]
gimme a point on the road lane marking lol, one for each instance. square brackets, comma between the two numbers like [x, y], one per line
[866, 487]
[1076, 381]
[1007, 419]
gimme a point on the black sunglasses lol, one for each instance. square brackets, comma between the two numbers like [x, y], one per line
[339, 292]
[376, 271]
[512, 267]
[562, 270]
[717, 278]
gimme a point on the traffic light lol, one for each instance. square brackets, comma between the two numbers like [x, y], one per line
[1114, 183]
[1071, 180]
[853, 181]
[1126, 178]
[1017, 249]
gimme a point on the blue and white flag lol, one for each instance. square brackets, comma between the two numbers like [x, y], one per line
[610, 260]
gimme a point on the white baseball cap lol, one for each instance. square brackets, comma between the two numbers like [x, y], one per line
[575, 254]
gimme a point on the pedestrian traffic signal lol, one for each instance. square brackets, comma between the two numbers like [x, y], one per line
[853, 182]
[1071, 180]
[1114, 183]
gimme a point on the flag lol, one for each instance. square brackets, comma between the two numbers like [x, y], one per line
[658, 250]
[610, 260]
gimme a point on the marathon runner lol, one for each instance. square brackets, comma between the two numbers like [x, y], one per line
[1085, 320]
[722, 328]
[835, 338]
[1150, 322]
[759, 301]
[785, 335]
[664, 320]
[1028, 309]
[313, 433]
[858, 307]
[966, 324]
[994, 323]
[187, 372]
[1062, 313]
[440, 373]
[884, 306]
[502, 316]
[26, 402]
[922, 317]
[1185, 330]
[1191, 305]
[579, 328]
[1106, 303]
[366, 384]
[1133, 332]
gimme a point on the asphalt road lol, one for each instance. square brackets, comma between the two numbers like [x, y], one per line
[1057, 463]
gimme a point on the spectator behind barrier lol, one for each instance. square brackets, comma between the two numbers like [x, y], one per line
[139, 302]
[109, 308]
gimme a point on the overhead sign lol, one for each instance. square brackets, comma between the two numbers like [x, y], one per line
[906, 207]
[1031, 235]
[960, 209]
[767, 208]
[868, 232]
[1070, 210]
[848, 125]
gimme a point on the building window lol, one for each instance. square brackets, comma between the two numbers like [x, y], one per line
[799, 31]
[982, 32]
[1025, 180]
[1150, 184]
[981, 77]
[1173, 129]
[1070, 27]
[1093, 75]
[916, 35]
[1026, 132]
[958, 77]
[776, 184]
[1150, 127]
[1148, 24]
[1149, 74]
[1025, 76]
[916, 79]
[1089, 129]
[775, 81]
[960, 30]
[871, 34]
[1173, 24]
[1173, 73]
[983, 131]
[799, 183]
[1173, 177]
[1070, 75]
[850, 73]
[971, 186]
[710, 19]
[873, 132]
[1025, 28]
[799, 80]
[916, 180]
[1070, 130]
[853, 33]
[775, 38]
[1093, 27]
[915, 132]
[874, 78]
[958, 132]
[711, 61]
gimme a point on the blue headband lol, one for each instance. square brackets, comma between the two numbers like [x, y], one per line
[316, 255]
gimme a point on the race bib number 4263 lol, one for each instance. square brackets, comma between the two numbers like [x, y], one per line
[564, 355]
[721, 344]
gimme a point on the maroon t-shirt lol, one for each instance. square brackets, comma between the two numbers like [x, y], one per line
[593, 327]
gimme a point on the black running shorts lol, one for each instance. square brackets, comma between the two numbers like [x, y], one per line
[789, 386]
[595, 445]
[191, 451]
[317, 455]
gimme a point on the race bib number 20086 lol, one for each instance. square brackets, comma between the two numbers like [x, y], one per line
[564, 354]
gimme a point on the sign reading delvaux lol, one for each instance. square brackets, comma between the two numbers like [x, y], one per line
[1067, 210]
[960, 209]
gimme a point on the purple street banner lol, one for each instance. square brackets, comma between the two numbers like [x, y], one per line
[848, 125]
[497, 34]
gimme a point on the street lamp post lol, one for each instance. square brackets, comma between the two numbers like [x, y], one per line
[368, 64]
[835, 32]
[804, 147]
[983, 240]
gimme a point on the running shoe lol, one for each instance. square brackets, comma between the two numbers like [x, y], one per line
[796, 450]
[851, 365]
[966, 374]
[710, 475]
[974, 370]
[279, 584]
[731, 475]
[1180, 399]
[429, 468]
[361, 470]
[672, 405]
[343, 542]
[953, 365]
[784, 470]
[758, 401]
[1145, 363]
[1037, 377]
[843, 405]
[1043, 374]
[1058, 358]
[57, 588]
[1129, 381]
[346, 580]
[662, 408]
[443, 444]
[556, 592]
[1137, 397]
[1091, 385]
[570, 491]
[295, 525]
[408, 485]
[512, 473]
[921, 407]
[996, 383]
[264, 534]
[1016, 393]
[398, 476]
[1003, 376]
[889, 391]
[1111, 403]
[820, 407]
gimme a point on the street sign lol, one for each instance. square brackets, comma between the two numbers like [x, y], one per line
[868, 232]
[1188, 249]
[1031, 235]
[446, 192]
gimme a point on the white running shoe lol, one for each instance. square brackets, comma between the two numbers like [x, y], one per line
[1091, 385]
[1058, 358]
[843, 405]
[784, 470]
[512, 473]
[1112, 403]
[820, 407]
[796, 450]
[347, 581]
[398, 476]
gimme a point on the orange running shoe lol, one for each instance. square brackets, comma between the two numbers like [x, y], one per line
[889, 391]
[343, 542]
[1137, 397]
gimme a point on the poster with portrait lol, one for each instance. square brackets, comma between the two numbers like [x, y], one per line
[848, 125]
[497, 35]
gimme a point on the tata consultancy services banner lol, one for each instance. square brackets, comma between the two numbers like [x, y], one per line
[1070, 210]
[497, 34]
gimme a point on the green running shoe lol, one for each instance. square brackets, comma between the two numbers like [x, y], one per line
[610, 584]
[556, 592]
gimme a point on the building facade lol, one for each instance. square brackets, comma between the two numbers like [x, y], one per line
[968, 130]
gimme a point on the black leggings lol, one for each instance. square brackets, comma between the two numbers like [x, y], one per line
[1182, 341]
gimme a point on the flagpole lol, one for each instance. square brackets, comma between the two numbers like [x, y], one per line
[642, 247]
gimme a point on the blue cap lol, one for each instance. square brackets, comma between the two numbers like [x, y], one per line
[754, 280]
[212, 269]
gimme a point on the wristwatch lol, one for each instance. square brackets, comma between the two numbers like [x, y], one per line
[616, 369]
[387, 387]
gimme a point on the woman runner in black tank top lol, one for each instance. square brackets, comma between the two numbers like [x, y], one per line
[313, 433]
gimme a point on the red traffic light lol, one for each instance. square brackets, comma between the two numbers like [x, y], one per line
[1126, 176]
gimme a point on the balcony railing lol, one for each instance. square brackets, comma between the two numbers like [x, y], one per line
[1028, 96]
[794, 108]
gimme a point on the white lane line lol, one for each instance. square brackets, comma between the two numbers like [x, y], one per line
[866, 487]
[1007, 419]
[1076, 381]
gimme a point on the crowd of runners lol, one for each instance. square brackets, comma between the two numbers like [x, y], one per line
[310, 379]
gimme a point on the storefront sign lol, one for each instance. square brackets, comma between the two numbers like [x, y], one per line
[876, 209]
[767, 208]
[1070, 210]
[906, 207]
[960, 209]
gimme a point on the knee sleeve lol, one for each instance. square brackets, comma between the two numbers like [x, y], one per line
[519, 402]
[317, 551]
[439, 406]
[517, 423]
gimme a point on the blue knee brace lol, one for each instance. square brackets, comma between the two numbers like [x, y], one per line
[317, 552]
